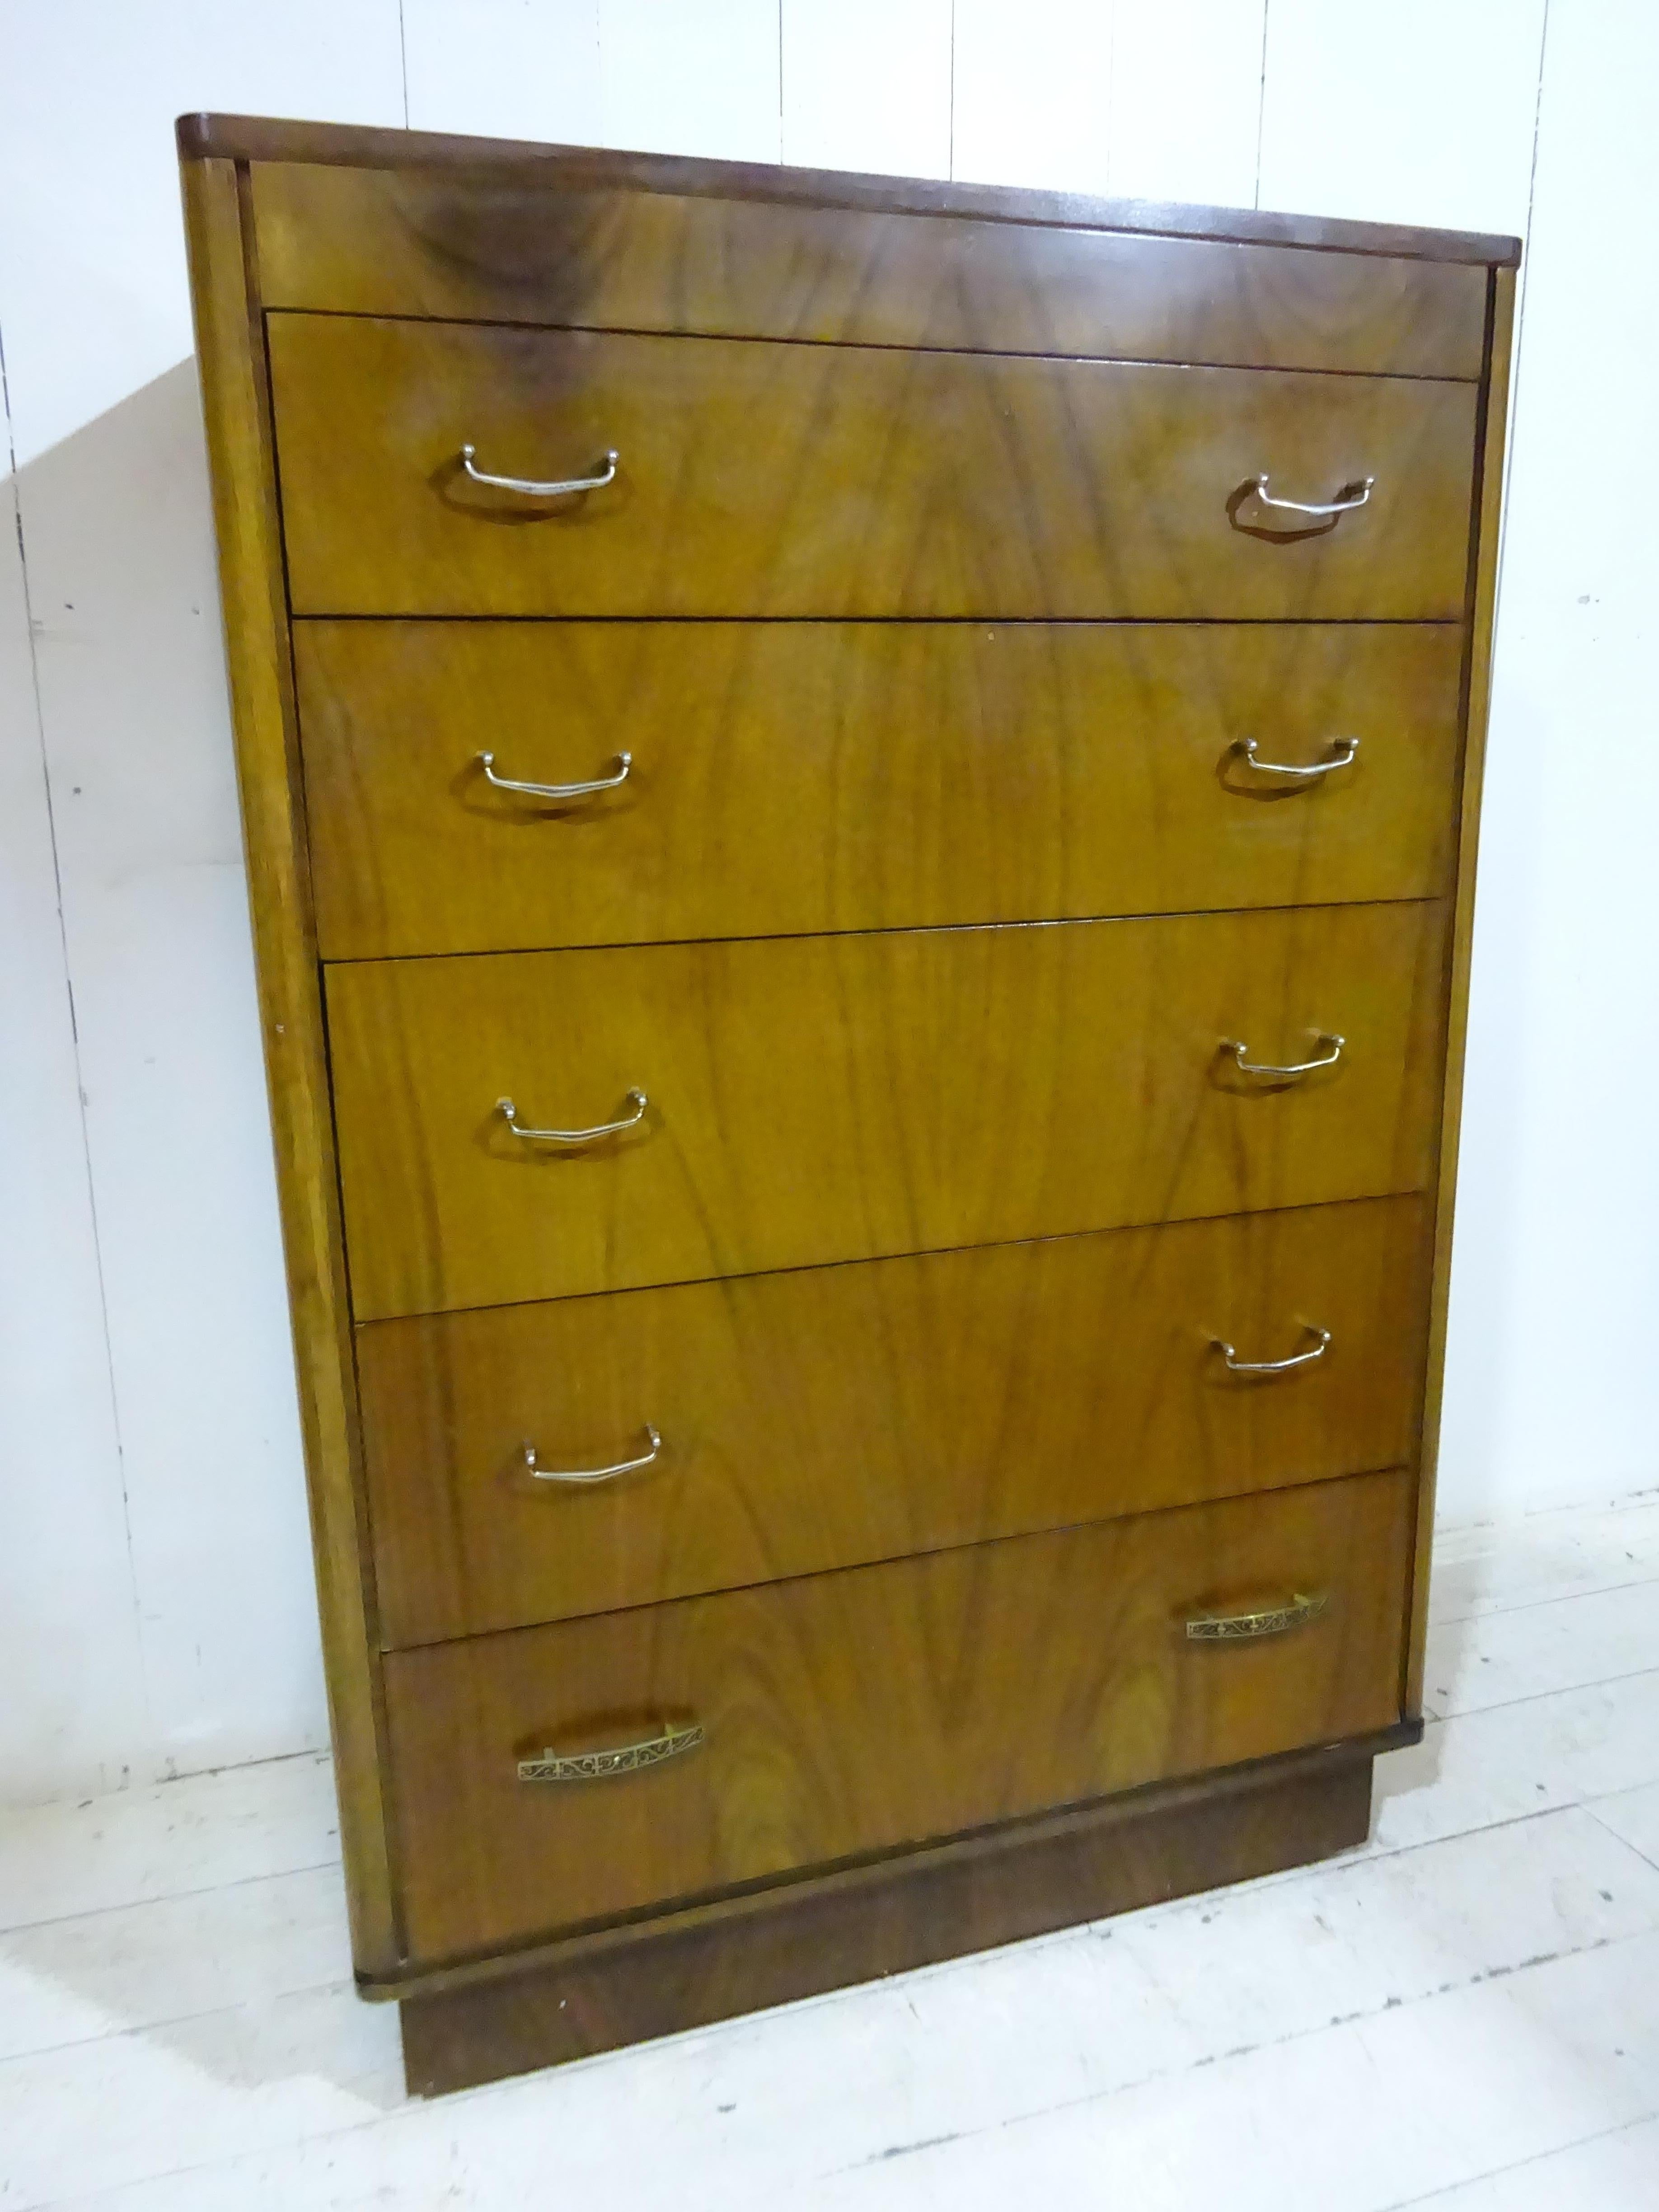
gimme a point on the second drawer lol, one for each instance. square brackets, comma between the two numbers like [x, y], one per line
[835, 1415]
[797, 777]
[821, 1098]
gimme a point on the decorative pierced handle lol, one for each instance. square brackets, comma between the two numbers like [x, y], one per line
[1354, 496]
[624, 762]
[1316, 1351]
[676, 1738]
[530, 489]
[594, 1474]
[1342, 752]
[1247, 1067]
[509, 1114]
[1239, 1627]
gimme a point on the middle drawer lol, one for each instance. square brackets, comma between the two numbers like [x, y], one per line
[832, 1416]
[825, 1098]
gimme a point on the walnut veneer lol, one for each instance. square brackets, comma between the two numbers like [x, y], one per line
[869, 1287]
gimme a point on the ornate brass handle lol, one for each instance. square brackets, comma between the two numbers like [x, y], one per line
[1354, 495]
[1342, 752]
[1263, 1620]
[624, 762]
[593, 1474]
[529, 488]
[1237, 1367]
[1298, 1067]
[677, 1737]
[509, 1114]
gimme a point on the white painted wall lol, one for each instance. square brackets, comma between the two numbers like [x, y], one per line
[155, 1609]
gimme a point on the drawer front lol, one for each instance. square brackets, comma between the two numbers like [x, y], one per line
[763, 479]
[882, 1706]
[828, 1417]
[797, 777]
[418, 242]
[843, 1097]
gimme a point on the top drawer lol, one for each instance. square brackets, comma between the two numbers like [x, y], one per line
[517, 250]
[763, 479]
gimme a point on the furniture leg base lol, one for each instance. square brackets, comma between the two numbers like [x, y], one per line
[654, 1978]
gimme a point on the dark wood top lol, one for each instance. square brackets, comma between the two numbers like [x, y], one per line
[253, 138]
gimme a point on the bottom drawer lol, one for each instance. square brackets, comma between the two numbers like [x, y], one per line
[880, 1706]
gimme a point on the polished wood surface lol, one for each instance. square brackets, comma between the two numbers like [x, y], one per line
[234, 404]
[906, 1251]
[795, 777]
[1015, 1882]
[881, 1707]
[841, 1098]
[757, 479]
[257, 139]
[833, 1416]
[415, 242]
[1478, 683]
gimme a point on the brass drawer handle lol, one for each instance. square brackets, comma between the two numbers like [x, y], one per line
[1327, 1059]
[1354, 495]
[1237, 1367]
[1266, 1620]
[624, 762]
[509, 1114]
[676, 1738]
[593, 1474]
[557, 488]
[1342, 752]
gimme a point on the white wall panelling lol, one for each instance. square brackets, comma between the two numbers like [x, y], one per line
[1419, 110]
[73, 1705]
[1021, 118]
[173, 1627]
[866, 85]
[156, 1610]
[1554, 1377]
[725, 52]
[504, 69]
[1186, 111]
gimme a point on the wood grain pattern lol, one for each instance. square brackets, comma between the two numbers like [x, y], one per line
[1017, 1880]
[841, 1098]
[1483, 607]
[234, 404]
[758, 478]
[262, 138]
[501, 249]
[830, 1417]
[881, 1707]
[796, 777]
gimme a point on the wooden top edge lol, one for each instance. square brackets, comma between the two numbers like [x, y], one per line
[256, 138]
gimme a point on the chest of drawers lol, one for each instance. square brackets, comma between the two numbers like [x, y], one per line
[860, 806]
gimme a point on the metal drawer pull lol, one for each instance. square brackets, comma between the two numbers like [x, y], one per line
[1238, 1366]
[1297, 1067]
[1346, 505]
[531, 489]
[625, 1758]
[600, 1473]
[1239, 1627]
[624, 762]
[509, 1113]
[1342, 752]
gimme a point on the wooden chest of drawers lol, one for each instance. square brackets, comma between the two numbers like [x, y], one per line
[860, 808]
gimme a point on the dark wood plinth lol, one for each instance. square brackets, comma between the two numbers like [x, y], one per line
[625, 1985]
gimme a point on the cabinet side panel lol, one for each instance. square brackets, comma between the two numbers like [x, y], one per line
[234, 398]
[1489, 486]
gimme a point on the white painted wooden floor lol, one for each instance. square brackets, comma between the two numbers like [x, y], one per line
[1465, 2014]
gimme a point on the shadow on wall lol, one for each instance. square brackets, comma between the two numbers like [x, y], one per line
[117, 540]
